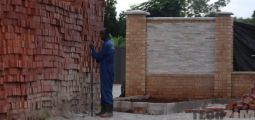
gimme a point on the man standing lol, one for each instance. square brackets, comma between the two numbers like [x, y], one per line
[106, 59]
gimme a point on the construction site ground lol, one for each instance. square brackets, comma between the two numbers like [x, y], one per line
[131, 116]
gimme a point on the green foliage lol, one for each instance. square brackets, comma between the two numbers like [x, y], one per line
[122, 25]
[247, 20]
[162, 8]
[181, 8]
[219, 4]
[253, 15]
[119, 41]
[196, 8]
[201, 8]
[110, 20]
[117, 27]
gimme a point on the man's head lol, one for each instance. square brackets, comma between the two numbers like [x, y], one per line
[104, 34]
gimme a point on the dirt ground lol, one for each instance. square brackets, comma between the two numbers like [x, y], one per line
[129, 116]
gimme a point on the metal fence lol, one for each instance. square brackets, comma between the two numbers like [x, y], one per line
[119, 69]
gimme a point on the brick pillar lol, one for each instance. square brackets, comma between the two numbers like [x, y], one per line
[136, 52]
[224, 55]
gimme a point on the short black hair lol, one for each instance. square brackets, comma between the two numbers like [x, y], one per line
[107, 33]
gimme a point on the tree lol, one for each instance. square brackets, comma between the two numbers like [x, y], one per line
[119, 40]
[116, 26]
[181, 8]
[200, 8]
[122, 24]
[162, 8]
[247, 20]
[110, 20]
[196, 8]
[253, 15]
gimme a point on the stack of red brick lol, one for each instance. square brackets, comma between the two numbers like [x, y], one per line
[44, 55]
[247, 102]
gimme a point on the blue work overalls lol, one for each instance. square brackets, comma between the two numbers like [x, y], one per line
[106, 59]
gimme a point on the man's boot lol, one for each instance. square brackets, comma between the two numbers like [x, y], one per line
[109, 111]
[103, 110]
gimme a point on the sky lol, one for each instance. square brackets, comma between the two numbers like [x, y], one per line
[240, 8]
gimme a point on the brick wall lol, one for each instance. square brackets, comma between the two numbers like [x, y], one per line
[136, 53]
[44, 56]
[223, 55]
[183, 46]
[180, 58]
[180, 87]
[186, 58]
[242, 82]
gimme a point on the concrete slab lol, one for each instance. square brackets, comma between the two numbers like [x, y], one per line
[126, 106]
[117, 106]
[140, 107]
[157, 108]
[170, 108]
[181, 106]
[164, 108]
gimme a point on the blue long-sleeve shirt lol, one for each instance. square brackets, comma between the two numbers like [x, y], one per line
[106, 59]
[106, 55]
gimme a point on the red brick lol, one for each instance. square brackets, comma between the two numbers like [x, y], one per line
[32, 54]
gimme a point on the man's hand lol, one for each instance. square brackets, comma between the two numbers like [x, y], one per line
[91, 46]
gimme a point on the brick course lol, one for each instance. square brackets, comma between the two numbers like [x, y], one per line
[180, 87]
[44, 56]
[242, 82]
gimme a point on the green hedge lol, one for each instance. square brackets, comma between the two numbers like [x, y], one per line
[119, 41]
